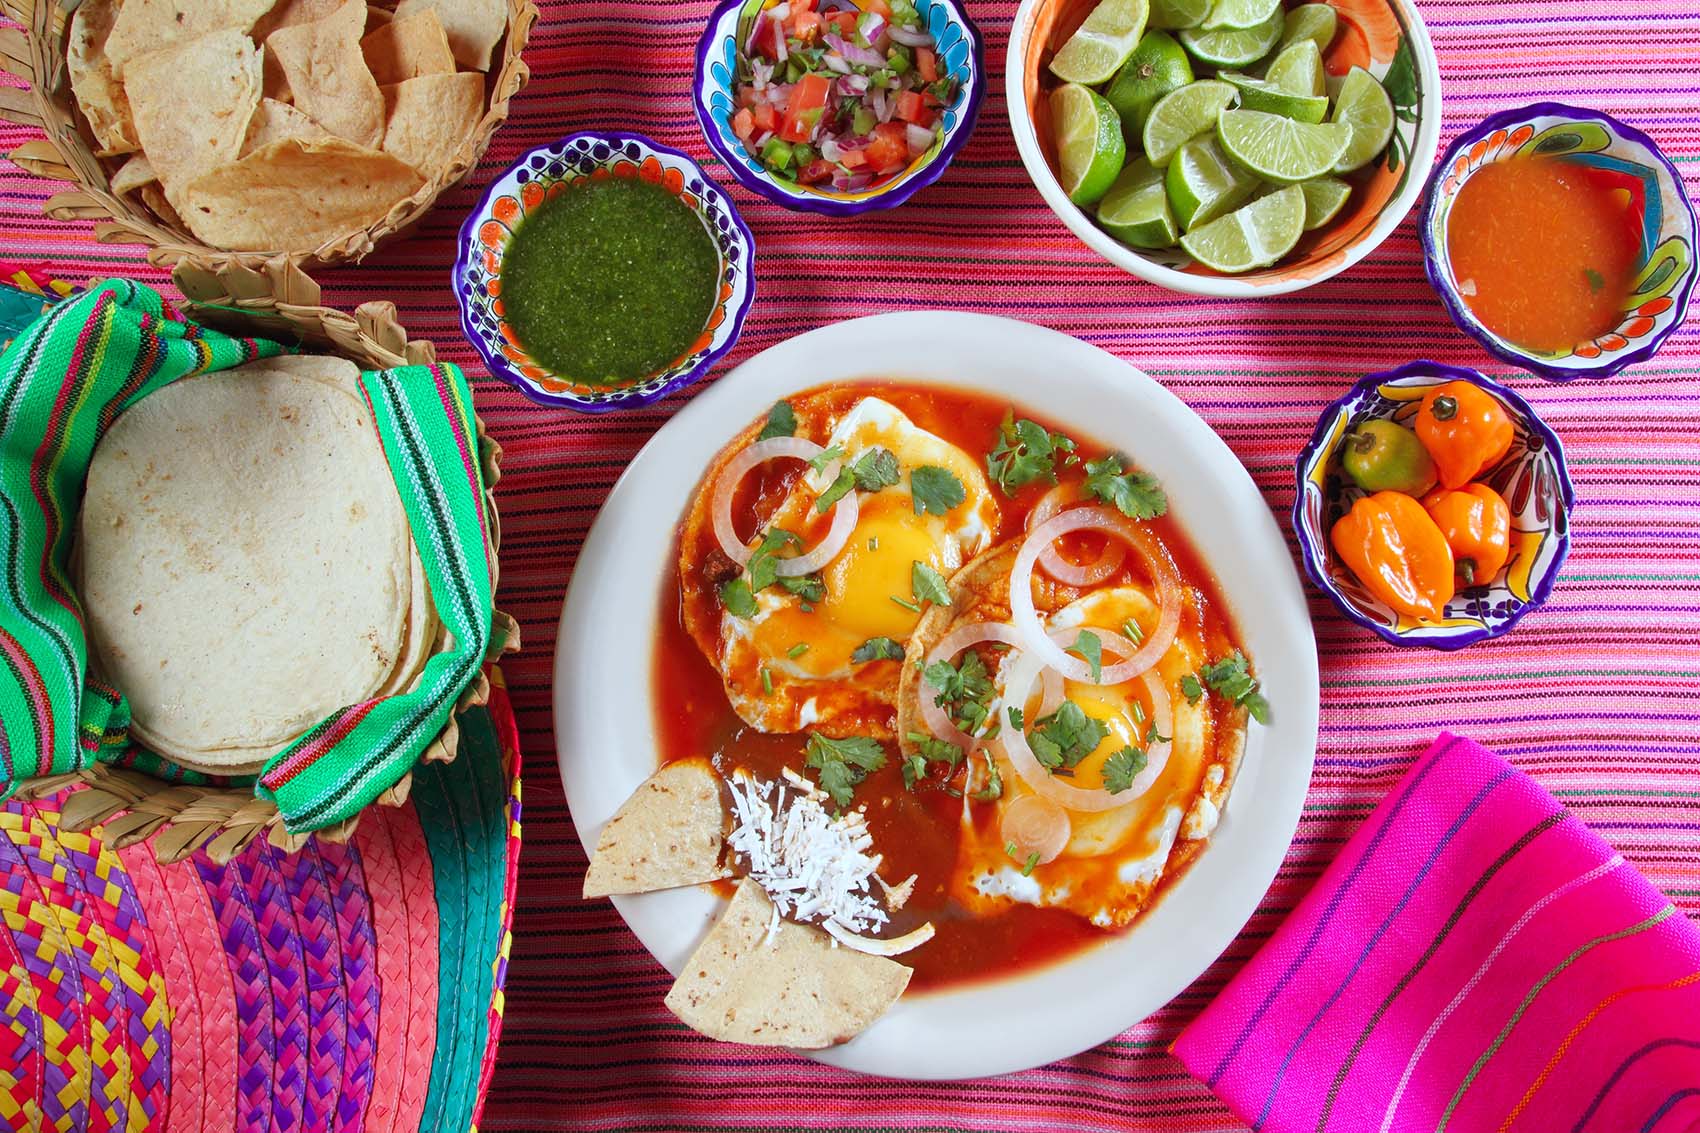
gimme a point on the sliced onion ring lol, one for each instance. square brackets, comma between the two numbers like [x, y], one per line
[1025, 670]
[1035, 825]
[1026, 618]
[1109, 560]
[844, 513]
[938, 720]
[874, 946]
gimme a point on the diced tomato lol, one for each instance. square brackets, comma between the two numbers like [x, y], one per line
[805, 25]
[815, 172]
[802, 6]
[853, 158]
[766, 117]
[844, 22]
[878, 7]
[766, 41]
[808, 102]
[744, 124]
[889, 149]
[927, 64]
[746, 95]
[911, 107]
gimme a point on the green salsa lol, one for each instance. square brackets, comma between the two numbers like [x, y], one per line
[610, 280]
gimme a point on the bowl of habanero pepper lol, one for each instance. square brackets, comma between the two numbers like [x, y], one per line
[1433, 506]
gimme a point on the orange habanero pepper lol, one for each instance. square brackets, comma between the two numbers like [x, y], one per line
[1476, 522]
[1464, 429]
[1396, 550]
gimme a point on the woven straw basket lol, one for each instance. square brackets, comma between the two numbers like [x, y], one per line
[279, 302]
[37, 56]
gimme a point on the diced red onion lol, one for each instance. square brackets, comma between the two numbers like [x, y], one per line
[852, 86]
[844, 513]
[830, 150]
[779, 38]
[780, 11]
[750, 40]
[835, 63]
[762, 73]
[846, 182]
[762, 139]
[910, 37]
[871, 27]
[920, 139]
[1086, 574]
[865, 56]
[1026, 618]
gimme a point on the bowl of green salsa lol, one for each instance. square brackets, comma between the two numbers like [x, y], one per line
[603, 271]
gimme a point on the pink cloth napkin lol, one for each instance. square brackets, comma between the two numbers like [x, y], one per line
[1475, 959]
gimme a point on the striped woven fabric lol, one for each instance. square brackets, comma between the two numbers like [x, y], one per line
[62, 382]
[1596, 697]
[1473, 959]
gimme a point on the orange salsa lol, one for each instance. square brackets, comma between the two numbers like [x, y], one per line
[1544, 250]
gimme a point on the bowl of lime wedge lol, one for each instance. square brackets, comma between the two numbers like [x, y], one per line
[1226, 147]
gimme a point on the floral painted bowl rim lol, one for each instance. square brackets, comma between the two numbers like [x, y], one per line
[890, 196]
[501, 368]
[1455, 308]
[1315, 558]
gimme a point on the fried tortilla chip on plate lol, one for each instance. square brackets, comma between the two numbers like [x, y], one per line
[328, 75]
[429, 118]
[98, 91]
[192, 102]
[407, 48]
[151, 25]
[289, 13]
[296, 195]
[669, 833]
[474, 27]
[789, 987]
[274, 120]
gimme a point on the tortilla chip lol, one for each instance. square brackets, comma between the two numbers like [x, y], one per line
[154, 197]
[295, 195]
[192, 102]
[406, 49]
[133, 174]
[274, 84]
[377, 17]
[669, 833]
[151, 25]
[99, 93]
[430, 118]
[473, 26]
[795, 990]
[329, 76]
[292, 13]
[273, 120]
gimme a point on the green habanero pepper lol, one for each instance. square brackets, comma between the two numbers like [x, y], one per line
[1384, 456]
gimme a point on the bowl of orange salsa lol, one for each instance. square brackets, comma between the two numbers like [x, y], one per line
[1561, 240]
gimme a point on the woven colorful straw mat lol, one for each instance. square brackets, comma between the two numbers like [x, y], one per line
[341, 989]
[1596, 696]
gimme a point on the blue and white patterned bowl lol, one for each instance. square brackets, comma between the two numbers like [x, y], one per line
[1532, 478]
[958, 45]
[1664, 281]
[534, 178]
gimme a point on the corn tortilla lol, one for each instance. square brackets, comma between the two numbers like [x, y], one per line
[328, 75]
[669, 833]
[407, 48]
[474, 27]
[143, 26]
[192, 103]
[99, 93]
[429, 118]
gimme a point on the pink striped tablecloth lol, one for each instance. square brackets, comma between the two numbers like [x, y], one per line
[1597, 697]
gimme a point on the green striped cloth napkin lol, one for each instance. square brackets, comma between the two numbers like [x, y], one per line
[62, 383]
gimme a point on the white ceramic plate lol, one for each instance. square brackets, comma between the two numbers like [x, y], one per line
[604, 719]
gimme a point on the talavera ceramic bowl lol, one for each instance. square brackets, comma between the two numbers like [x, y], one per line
[1385, 37]
[1657, 302]
[1532, 478]
[531, 180]
[960, 55]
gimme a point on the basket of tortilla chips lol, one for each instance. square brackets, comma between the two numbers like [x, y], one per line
[241, 131]
[257, 590]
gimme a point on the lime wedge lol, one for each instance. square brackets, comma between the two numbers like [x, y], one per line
[1089, 142]
[1203, 184]
[1260, 94]
[1324, 198]
[1280, 149]
[1232, 47]
[1182, 115]
[1240, 13]
[1156, 67]
[1177, 14]
[1315, 22]
[1102, 44]
[1298, 69]
[1136, 209]
[1364, 106]
[1254, 236]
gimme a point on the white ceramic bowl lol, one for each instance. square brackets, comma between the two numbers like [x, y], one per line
[1387, 37]
[604, 715]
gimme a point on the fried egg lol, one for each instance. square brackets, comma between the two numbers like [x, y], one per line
[806, 648]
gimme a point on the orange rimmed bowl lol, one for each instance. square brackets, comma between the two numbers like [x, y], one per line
[1385, 37]
[534, 178]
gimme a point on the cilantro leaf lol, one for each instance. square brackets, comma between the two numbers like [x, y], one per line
[1065, 737]
[1015, 717]
[877, 649]
[875, 469]
[843, 763]
[930, 750]
[1231, 679]
[1121, 768]
[993, 790]
[1137, 495]
[1191, 689]
[764, 563]
[781, 422]
[808, 587]
[935, 489]
[824, 457]
[1089, 647]
[738, 598]
[914, 770]
[964, 691]
[928, 584]
[1026, 451]
[835, 491]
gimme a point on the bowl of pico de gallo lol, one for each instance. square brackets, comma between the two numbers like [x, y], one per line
[838, 107]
